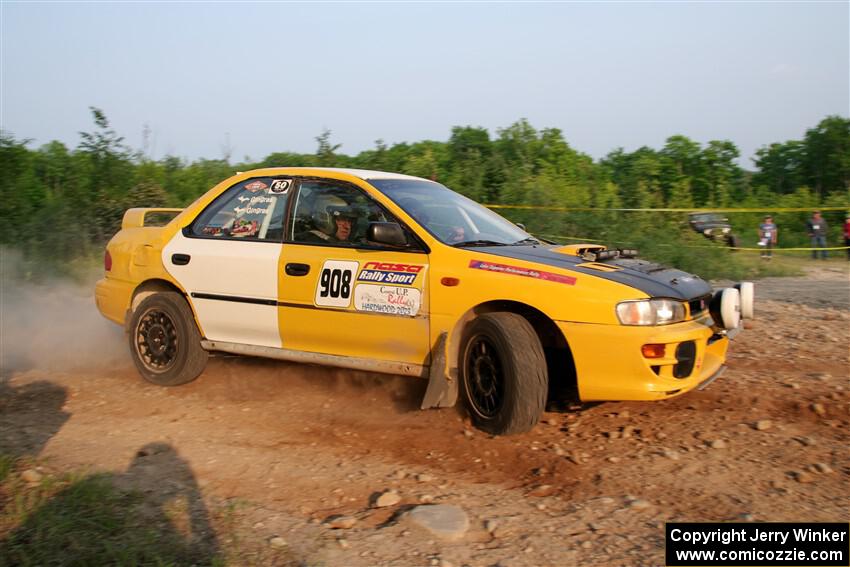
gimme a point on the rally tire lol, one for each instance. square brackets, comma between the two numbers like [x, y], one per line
[504, 380]
[164, 340]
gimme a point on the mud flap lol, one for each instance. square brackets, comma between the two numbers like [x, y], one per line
[441, 392]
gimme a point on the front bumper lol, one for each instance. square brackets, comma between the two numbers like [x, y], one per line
[610, 366]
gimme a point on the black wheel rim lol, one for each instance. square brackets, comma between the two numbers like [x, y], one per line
[156, 340]
[485, 380]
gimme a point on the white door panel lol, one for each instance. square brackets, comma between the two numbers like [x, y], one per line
[242, 277]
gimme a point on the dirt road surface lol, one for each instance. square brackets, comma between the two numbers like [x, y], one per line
[284, 447]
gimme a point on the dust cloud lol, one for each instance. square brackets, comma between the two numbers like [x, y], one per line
[54, 325]
[243, 379]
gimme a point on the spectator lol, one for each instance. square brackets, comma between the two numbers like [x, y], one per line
[768, 236]
[817, 228]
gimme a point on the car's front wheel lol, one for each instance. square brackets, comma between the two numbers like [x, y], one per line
[503, 373]
[164, 341]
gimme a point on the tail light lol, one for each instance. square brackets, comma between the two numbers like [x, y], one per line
[107, 261]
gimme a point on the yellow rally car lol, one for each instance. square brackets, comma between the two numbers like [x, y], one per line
[391, 273]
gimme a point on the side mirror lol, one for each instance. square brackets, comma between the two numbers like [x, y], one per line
[389, 233]
[522, 226]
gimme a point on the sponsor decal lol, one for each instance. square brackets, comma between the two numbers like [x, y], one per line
[520, 271]
[242, 228]
[255, 186]
[280, 186]
[388, 299]
[389, 273]
[335, 282]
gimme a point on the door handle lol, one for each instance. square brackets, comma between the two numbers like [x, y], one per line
[295, 269]
[180, 259]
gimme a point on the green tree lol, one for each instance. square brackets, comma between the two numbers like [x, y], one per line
[827, 155]
[721, 173]
[780, 166]
[326, 152]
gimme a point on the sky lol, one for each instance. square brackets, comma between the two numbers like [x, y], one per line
[252, 78]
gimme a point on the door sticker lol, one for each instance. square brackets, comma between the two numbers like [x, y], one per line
[335, 281]
[388, 272]
[389, 299]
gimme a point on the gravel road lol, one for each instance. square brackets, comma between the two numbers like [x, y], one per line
[325, 467]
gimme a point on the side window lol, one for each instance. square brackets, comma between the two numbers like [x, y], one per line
[337, 214]
[250, 210]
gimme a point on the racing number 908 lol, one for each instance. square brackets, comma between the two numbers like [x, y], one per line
[335, 283]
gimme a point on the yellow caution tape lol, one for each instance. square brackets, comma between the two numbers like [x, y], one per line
[763, 249]
[760, 249]
[718, 210]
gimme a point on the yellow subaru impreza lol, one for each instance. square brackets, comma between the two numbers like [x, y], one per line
[391, 273]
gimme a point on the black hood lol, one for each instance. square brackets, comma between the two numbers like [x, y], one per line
[653, 279]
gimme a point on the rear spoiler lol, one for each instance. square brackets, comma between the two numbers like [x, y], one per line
[135, 218]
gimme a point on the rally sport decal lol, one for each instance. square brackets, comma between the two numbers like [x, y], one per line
[390, 273]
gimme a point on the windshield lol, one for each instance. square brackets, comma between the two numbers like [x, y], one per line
[450, 217]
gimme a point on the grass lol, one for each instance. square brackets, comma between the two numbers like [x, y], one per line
[78, 519]
[73, 519]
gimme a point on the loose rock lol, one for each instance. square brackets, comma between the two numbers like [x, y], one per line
[443, 520]
[803, 477]
[763, 425]
[541, 490]
[32, 476]
[277, 542]
[639, 504]
[341, 522]
[387, 498]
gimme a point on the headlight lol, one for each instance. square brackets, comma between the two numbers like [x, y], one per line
[650, 312]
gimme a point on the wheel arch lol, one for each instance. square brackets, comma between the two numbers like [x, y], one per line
[559, 358]
[150, 287]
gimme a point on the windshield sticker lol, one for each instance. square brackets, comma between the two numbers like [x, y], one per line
[519, 271]
[255, 186]
[385, 272]
[280, 186]
[335, 281]
[257, 199]
[388, 299]
[242, 228]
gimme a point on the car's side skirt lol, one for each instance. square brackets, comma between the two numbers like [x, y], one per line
[354, 363]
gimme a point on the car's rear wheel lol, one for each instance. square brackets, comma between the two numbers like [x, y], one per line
[503, 373]
[164, 341]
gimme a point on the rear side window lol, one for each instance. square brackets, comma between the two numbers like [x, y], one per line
[250, 210]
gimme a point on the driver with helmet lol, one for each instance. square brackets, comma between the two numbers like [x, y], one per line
[334, 221]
